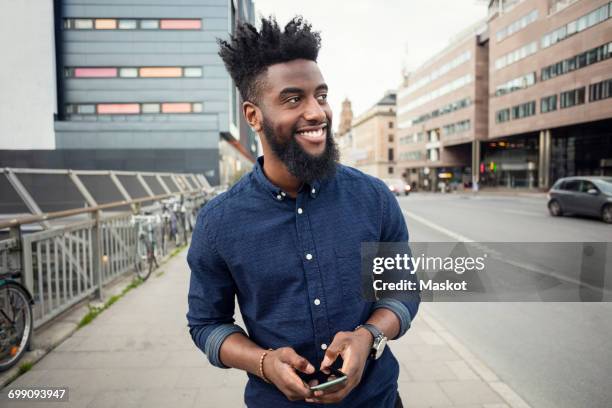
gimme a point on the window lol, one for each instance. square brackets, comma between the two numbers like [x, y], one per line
[436, 93]
[118, 108]
[502, 115]
[571, 185]
[128, 24]
[390, 138]
[180, 24]
[572, 98]
[192, 72]
[589, 20]
[149, 24]
[390, 154]
[390, 125]
[460, 59]
[516, 55]
[132, 72]
[390, 170]
[516, 84]
[600, 90]
[581, 60]
[160, 72]
[134, 108]
[128, 72]
[517, 25]
[131, 24]
[548, 104]
[83, 24]
[451, 107]
[106, 24]
[92, 72]
[150, 108]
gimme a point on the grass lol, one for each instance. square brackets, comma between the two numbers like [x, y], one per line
[24, 368]
[94, 311]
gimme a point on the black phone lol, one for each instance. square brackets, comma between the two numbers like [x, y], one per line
[325, 380]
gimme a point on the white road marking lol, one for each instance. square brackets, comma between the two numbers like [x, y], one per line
[521, 212]
[424, 221]
[496, 255]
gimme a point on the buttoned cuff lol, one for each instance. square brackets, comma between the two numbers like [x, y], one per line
[400, 310]
[215, 339]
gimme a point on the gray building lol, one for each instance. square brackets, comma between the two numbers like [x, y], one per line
[141, 87]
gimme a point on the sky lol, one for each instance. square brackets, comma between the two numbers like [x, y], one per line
[365, 44]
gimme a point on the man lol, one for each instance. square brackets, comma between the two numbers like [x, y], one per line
[285, 240]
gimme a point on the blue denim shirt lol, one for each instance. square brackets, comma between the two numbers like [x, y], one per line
[294, 267]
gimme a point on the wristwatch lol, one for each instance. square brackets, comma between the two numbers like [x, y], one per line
[380, 341]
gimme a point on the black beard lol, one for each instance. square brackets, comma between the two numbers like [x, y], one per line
[302, 165]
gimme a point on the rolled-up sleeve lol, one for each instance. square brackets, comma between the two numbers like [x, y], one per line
[394, 229]
[212, 290]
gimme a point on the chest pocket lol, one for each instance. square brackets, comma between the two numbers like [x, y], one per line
[356, 285]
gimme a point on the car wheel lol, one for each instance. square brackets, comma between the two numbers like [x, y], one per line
[606, 214]
[555, 208]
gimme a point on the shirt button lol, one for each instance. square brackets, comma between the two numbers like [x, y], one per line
[279, 197]
[283, 193]
[313, 191]
[324, 346]
[300, 211]
[308, 256]
[317, 302]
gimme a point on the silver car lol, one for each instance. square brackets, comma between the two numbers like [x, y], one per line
[590, 196]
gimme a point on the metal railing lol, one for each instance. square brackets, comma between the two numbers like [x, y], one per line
[64, 264]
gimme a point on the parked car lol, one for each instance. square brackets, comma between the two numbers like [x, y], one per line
[397, 186]
[582, 195]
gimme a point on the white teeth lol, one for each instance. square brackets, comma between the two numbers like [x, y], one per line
[312, 133]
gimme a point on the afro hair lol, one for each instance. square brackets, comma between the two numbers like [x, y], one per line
[250, 52]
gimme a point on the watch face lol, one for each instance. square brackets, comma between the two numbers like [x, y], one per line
[380, 347]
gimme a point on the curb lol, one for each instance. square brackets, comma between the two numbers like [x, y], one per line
[485, 373]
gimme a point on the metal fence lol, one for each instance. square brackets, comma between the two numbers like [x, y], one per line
[78, 251]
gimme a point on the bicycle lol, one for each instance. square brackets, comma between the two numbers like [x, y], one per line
[146, 259]
[16, 318]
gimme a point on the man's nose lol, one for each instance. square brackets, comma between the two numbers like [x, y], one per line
[314, 111]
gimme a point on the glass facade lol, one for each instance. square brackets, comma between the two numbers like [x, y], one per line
[510, 162]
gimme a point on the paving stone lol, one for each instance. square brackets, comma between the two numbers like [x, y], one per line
[470, 392]
[423, 394]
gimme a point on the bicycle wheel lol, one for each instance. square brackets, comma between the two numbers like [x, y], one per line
[16, 324]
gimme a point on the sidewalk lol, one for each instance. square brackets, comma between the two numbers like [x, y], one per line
[138, 353]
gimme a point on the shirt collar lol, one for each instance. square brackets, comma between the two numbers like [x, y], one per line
[275, 192]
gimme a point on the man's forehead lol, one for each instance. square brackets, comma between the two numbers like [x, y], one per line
[297, 73]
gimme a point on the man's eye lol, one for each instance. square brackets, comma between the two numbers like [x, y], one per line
[293, 99]
[322, 97]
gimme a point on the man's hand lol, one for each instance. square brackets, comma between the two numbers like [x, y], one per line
[354, 347]
[279, 367]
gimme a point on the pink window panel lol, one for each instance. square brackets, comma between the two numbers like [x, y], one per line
[176, 107]
[118, 108]
[180, 24]
[95, 72]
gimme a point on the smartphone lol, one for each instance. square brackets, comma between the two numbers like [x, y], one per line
[324, 379]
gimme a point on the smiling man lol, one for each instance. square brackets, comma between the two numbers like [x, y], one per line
[285, 241]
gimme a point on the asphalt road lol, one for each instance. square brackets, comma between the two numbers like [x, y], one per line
[553, 354]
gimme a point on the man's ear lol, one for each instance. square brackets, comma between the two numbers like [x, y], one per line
[252, 113]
